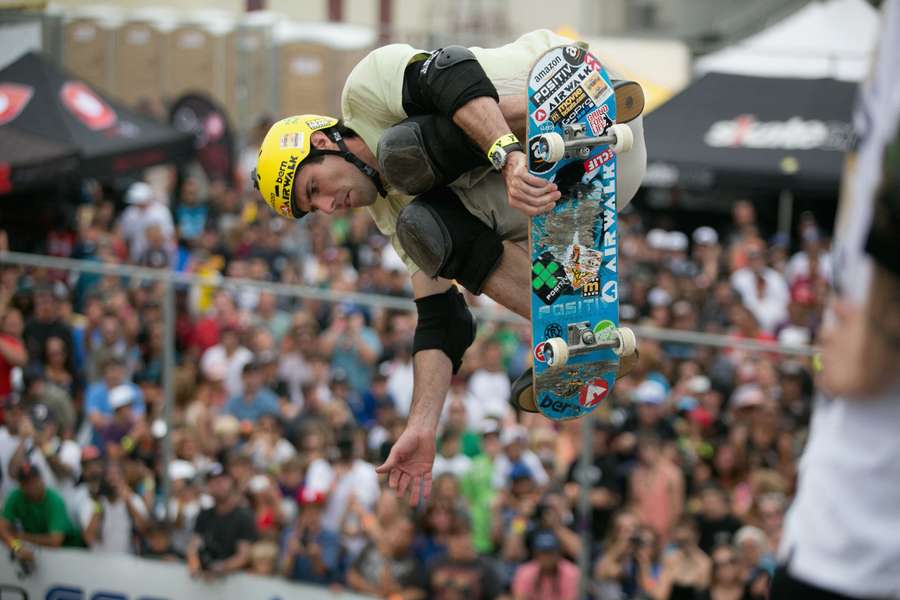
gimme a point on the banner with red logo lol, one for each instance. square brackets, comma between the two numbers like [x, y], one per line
[13, 99]
[87, 106]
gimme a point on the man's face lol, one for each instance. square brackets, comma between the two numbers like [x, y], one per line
[220, 488]
[331, 185]
[33, 488]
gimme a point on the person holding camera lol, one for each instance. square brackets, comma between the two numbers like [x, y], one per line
[113, 513]
[548, 574]
[223, 533]
[628, 568]
[687, 569]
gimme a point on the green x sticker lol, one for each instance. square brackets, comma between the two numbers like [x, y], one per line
[543, 275]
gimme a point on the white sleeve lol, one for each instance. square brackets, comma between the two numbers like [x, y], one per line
[319, 476]
[70, 455]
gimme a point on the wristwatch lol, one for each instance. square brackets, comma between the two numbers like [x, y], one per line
[500, 150]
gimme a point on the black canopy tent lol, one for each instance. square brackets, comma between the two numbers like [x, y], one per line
[53, 124]
[773, 136]
[736, 130]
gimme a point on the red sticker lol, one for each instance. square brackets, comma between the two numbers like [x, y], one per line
[595, 162]
[13, 99]
[598, 122]
[539, 352]
[593, 393]
[591, 61]
[540, 115]
[87, 106]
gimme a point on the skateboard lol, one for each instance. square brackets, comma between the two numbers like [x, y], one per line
[573, 140]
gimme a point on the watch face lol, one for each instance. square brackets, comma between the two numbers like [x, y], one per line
[498, 158]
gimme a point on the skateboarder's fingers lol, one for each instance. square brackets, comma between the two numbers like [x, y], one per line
[537, 182]
[394, 478]
[404, 483]
[426, 486]
[414, 491]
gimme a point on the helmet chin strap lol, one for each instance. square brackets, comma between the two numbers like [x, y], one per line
[351, 158]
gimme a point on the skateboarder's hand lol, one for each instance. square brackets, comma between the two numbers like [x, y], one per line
[409, 464]
[532, 195]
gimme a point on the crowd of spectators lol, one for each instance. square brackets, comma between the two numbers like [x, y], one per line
[283, 407]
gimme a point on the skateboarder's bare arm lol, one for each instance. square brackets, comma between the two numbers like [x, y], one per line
[515, 111]
[412, 456]
[483, 120]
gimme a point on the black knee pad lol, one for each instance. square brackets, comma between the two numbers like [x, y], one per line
[424, 152]
[445, 239]
[445, 323]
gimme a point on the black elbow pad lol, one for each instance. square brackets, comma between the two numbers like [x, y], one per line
[445, 81]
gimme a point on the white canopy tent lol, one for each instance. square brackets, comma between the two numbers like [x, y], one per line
[830, 38]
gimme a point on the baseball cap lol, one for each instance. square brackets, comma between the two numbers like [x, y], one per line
[699, 384]
[515, 433]
[139, 193]
[27, 471]
[747, 396]
[545, 541]
[181, 469]
[649, 392]
[705, 236]
[120, 396]
[676, 241]
[658, 239]
[215, 470]
[659, 297]
[519, 471]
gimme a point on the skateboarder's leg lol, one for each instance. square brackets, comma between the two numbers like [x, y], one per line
[509, 283]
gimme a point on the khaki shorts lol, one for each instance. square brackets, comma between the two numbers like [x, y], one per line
[483, 193]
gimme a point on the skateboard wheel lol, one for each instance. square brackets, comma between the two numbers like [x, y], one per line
[555, 146]
[627, 342]
[556, 352]
[624, 138]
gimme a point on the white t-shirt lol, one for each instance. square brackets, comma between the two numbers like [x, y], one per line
[488, 395]
[770, 309]
[400, 385]
[842, 532]
[234, 366]
[135, 221]
[362, 482]
[115, 530]
[455, 465]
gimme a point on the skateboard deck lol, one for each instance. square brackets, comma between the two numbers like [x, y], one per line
[576, 340]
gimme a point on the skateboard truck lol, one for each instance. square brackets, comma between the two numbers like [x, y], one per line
[574, 144]
[583, 339]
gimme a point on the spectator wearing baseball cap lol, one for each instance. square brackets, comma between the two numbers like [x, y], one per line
[649, 415]
[514, 440]
[548, 574]
[39, 511]
[223, 533]
[144, 211]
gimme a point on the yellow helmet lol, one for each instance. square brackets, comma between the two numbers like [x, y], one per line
[285, 147]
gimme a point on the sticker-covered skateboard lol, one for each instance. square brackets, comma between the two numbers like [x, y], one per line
[573, 139]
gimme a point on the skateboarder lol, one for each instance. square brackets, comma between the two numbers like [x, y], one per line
[428, 143]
